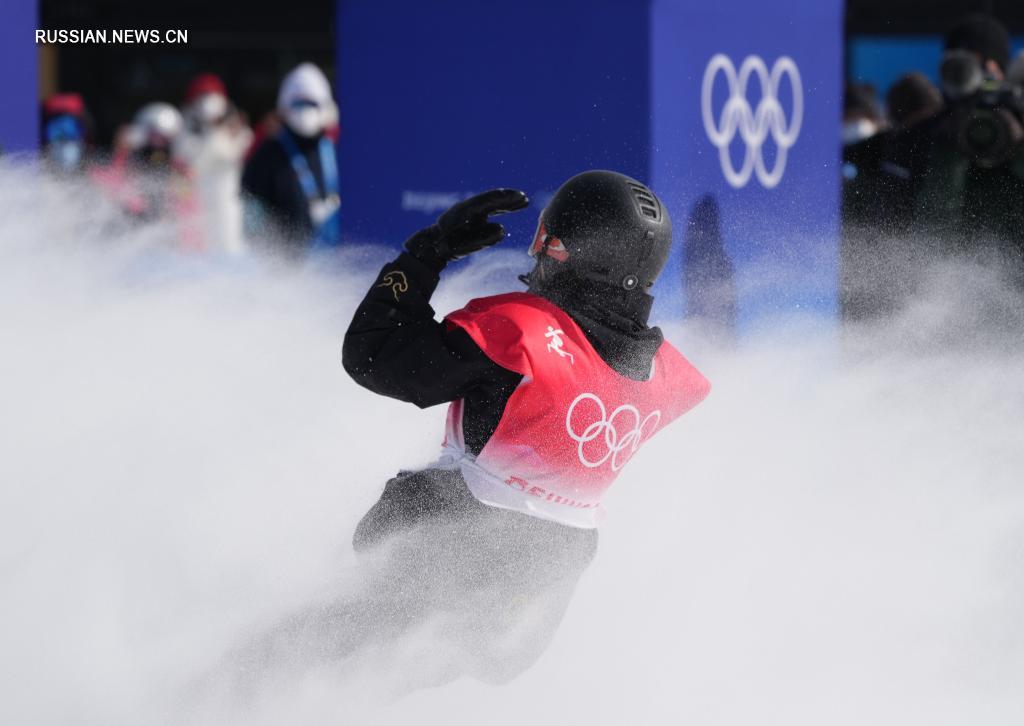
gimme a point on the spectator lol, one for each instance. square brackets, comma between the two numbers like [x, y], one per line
[141, 177]
[267, 127]
[65, 132]
[972, 197]
[211, 147]
[881, 186]
[947, 178]
[862, 114]
[293, 176]
[986, 39]
[912, 100]
[151, 135]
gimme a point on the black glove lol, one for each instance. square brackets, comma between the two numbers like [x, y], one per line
[464, 228]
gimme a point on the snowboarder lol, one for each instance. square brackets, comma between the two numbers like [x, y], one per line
[550, 391]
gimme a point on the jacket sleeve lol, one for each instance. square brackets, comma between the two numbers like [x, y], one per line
[396, 348]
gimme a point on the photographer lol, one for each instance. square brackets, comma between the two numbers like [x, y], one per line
[947, 177]
[882, 181]
[972, 194]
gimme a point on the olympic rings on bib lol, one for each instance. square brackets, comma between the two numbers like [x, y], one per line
[621, 433]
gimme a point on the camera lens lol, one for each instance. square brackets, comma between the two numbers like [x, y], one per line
[987, 137]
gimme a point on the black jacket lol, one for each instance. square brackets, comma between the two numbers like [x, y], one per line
[270, 180]
[396, 348]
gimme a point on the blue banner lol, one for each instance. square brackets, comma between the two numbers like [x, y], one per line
[746, 107]
[442, 99]
[730, 111]
[19, 101]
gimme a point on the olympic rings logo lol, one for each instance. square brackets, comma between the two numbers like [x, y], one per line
[752, 124]
[619, 443]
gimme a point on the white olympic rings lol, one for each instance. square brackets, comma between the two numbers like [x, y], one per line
[619, 447]
[752, 123]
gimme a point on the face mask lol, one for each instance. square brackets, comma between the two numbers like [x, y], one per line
[211, 108]
[66, 154]
[305, 120]
[63, 129]
[858, 130]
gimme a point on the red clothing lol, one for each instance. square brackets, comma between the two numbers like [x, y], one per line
[573, 422]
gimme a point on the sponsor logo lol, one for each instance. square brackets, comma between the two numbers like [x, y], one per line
[556, 344]
[752, 123]
[397, 281]
[615, 438]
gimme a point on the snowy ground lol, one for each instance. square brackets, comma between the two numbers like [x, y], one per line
[835, 537]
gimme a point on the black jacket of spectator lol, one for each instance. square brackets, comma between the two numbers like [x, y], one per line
[270, 179]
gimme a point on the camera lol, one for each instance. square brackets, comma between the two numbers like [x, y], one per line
[989, 115]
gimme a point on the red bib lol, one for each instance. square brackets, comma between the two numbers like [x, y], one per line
[573, 422]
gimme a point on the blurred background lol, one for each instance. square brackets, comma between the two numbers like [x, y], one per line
[805, 149]
[250, 45]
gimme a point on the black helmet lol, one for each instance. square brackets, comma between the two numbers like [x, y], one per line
[603, 226]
